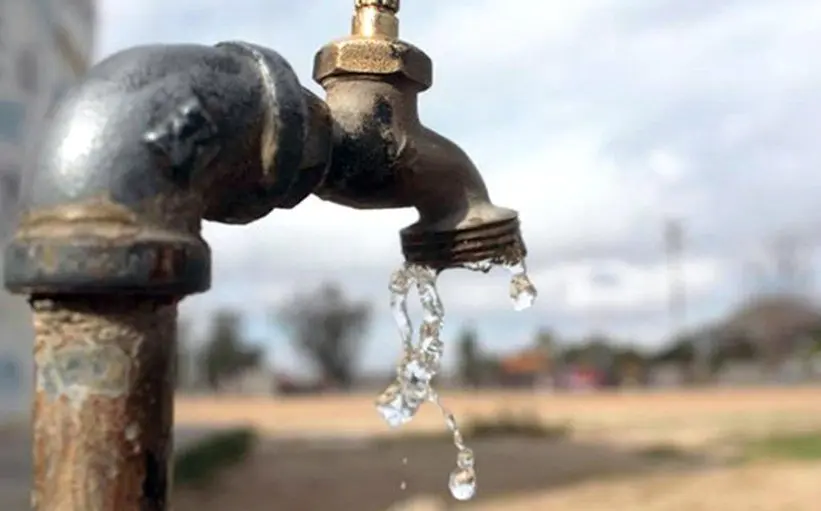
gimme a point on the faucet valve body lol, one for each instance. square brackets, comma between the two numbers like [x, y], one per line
[384, 156]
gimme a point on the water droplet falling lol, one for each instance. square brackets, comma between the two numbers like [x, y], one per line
[401, 400]
[480, 266]
[401, 282]
[462, 483]
[465, 459]
[420, 363]
[522, 291]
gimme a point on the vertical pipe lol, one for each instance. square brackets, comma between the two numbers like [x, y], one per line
[103, 405]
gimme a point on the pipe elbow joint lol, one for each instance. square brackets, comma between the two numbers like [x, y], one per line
[154, 140]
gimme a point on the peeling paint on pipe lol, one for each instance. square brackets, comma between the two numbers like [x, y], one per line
[104, 403]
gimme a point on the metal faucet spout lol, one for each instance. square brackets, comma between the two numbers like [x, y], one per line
[384, 157]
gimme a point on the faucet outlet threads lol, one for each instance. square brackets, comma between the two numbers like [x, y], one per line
[497, 242]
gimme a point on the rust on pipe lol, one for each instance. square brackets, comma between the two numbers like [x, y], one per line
[109, 241]
[103, 408]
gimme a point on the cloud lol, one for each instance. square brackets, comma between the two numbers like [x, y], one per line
[618, 286]
[597, 120]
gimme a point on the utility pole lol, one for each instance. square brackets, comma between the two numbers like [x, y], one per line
[790, 254]
[677, 294]
[674, 247]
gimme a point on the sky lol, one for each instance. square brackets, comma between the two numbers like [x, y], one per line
[595, 119]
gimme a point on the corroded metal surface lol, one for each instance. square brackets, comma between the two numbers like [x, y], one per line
[500, 243]
[384, 157]
[103, 409]
[16, 463]
[152, 141]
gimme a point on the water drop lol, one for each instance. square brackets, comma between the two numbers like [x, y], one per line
[394, 407]
[421, 361]
[522, 291]
[399, 403]
[480, 266]
[462, 483]
[401, 282]
[404, 484]
[465, 459]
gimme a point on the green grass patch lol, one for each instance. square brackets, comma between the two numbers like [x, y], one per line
[513, 425]
[201, 461]
[663, 452]
[502, 425]
[796, 446]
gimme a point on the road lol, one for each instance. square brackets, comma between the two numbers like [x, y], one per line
[15, 463]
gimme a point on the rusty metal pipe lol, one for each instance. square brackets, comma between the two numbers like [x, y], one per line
[103, 406]
[154, 140]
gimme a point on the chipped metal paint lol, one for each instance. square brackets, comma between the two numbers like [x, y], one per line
[103, 408]
[81, 371]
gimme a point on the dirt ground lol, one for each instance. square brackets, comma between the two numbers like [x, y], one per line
[753, 488]
[600, 467]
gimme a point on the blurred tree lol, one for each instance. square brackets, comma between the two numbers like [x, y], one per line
[738, 349]
[630, 366]
[226, 354]
[545, 341]
[777, 324]
[470, 358]
[490, 369]
[328, 328]
[682, 352]
[597, 351]
[815, 342]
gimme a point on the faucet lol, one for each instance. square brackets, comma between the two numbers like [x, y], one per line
[384, 157]
[157, 138]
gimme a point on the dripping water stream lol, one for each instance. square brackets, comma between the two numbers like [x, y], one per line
[421, 361]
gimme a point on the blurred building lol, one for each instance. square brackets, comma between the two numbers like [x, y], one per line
[529, 368]
[45, 46]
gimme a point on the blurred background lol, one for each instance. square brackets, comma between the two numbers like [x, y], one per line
[663, 156]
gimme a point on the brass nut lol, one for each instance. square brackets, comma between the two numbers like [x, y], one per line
[374, 57]
[388, 5]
